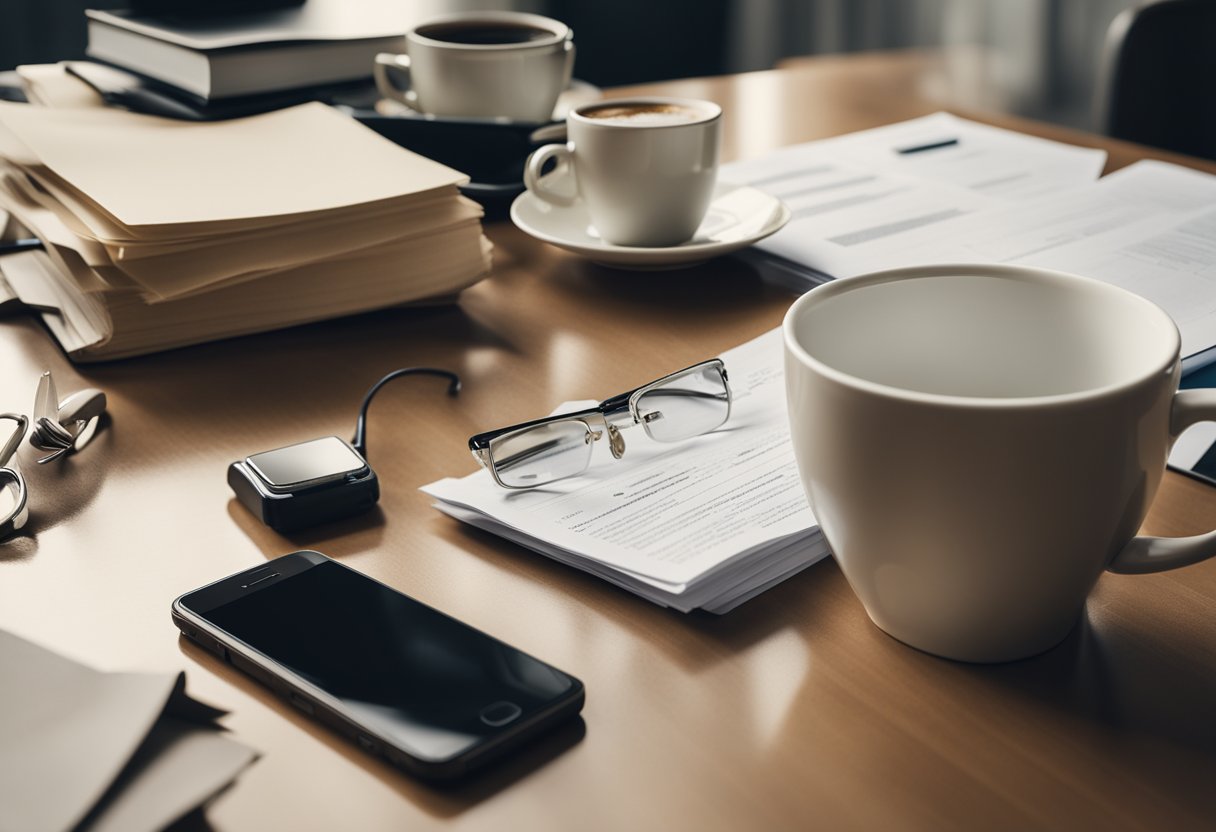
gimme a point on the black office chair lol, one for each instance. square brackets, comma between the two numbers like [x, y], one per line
[1158, 80]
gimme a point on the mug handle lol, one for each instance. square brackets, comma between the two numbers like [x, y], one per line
[1156, 554]
[533, 181]
[384, 62]
[568, 72]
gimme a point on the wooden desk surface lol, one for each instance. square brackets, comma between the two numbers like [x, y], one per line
[792, 712]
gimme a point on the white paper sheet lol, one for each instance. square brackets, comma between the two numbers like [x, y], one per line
[856, 194]
[672, 517]
[950, 150]
[1150, 228]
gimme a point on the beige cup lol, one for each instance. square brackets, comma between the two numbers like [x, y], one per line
[980, 442]
[471, 65]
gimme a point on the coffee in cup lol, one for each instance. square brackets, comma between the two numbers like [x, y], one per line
[481, 32]
[642, 115]
[645, 168]
[494, 65]
[979, 443]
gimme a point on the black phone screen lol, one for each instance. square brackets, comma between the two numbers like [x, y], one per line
[424, 681]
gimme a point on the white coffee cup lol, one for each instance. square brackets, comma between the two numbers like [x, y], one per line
[980, 442]
[645, 167]
[501, 65]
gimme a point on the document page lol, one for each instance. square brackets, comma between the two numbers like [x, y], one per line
[1159, 242]
[1150, 228]
[950, 150]
[677, 512]
[854, 195]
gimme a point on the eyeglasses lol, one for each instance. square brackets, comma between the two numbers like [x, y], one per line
[13, 493]
[689, 403]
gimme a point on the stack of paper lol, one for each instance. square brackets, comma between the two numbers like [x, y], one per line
[881, 190]
[707, 523]
[81, 749]
[941, 189]
[163, 233]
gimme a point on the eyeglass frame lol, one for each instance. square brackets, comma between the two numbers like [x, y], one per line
[479, 444]
[9, 474]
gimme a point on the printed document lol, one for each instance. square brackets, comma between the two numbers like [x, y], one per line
[941, 189]
[855, 194]
[700, 523]
[1150, 228]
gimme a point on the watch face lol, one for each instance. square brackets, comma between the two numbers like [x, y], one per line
[308, 463]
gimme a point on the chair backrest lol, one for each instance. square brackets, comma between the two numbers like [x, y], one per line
[1158, 79]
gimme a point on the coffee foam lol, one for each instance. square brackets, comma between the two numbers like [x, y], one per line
[643, 115]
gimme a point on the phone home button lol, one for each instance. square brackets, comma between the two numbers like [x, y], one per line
[500, 713]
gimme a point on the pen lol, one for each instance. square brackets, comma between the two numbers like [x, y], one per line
[13, 246]
[932, 146]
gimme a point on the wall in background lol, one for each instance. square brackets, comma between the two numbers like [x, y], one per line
[1041, 56]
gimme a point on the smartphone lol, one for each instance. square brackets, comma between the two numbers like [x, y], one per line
[430, 694]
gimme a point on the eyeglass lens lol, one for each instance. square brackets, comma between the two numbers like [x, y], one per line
[685, 406]
[542, 454]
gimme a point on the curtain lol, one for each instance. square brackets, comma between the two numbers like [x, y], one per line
[1042, 55]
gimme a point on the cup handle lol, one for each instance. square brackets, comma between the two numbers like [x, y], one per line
[386, 61]
[563, 153]
[568, 72]
[1156, 554]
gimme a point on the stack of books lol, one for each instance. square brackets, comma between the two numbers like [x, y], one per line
[205, 57]
[164, 233]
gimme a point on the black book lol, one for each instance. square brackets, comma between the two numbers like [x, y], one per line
[216, 57]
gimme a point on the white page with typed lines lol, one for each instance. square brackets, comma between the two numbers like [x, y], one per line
[676, 512]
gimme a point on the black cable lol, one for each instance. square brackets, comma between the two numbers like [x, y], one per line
[360, 441]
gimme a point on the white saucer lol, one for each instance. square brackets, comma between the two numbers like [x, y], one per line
[576, 95]
[738, 216]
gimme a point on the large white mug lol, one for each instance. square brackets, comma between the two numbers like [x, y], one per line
[979, 443]
[644, 167]
[503, 65]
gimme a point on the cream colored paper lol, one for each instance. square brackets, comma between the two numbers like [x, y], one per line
[179, 767]
[161, 233]
[149, 171]
[47, 225]
[430, 274]
[177, 272]
[68, 731]
[50, 85]
[40, 281]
